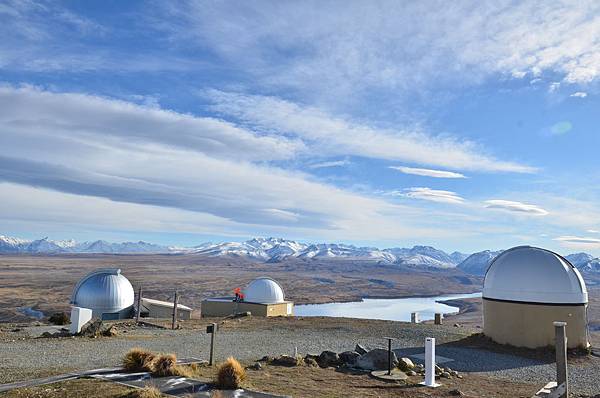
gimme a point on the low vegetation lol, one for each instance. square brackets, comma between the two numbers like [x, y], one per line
[230, 374]
[146, 392]
[59, 318]
[139, 360]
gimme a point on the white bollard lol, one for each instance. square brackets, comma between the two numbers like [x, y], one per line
[414, 317]
[79, 317]
[430, 363]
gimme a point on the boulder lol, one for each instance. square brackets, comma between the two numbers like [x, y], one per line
[92, 329]
[311, 362]
[446, 375]
[376, 359]
[360, 349]
[405, 364]
[329, 358]
[285, 360]
[256, 366]
[349, 357]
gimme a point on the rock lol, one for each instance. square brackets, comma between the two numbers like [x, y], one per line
[459, 376]
[329, 358]
[349, 357]
[311, 362]
[266, 358]
[59, 318]
[438, 370]
[445, 375]
[285, 360]
[456, 393]
[376, 359]
[256, 366]
[411, 373]
[405, 364]
[457, 325]
[110, 332]
[360, 349]
[92, 328]
[454, 373]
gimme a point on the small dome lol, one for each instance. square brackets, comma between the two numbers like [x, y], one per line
[265, 291]
[103, 291]
[534, 275]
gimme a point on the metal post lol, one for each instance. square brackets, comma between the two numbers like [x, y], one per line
[430, 363]
[212, 344]
[175, 302]
[414, 317]
[389, 356]
[139, 305]
[438, 319]
[562, 376]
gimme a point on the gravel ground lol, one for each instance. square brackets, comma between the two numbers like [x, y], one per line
[253, 338]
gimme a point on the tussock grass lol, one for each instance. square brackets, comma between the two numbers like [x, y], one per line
[139, 360]
[164, 365]
[146, 392]
[230, 374]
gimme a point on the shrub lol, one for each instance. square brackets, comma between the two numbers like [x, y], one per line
[230, 374]
[59, 318]
[164, 365]
[146, 392]
[138, 360]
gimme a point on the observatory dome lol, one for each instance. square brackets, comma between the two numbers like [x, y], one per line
[533, 275]
[104, 291]
[264, 290]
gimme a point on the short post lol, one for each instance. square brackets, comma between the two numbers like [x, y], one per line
[414, 317]
[562, 376]
[430, 363]
[175, 303]
[438, 319]
[139, 305]
[389, 356]
[212, 329]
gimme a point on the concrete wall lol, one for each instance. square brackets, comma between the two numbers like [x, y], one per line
[530, 325]
[225, 308]
[160, 311]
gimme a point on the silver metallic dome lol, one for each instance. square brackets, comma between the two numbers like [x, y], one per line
[104, 291]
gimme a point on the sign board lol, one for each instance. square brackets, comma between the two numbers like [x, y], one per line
[210, 328]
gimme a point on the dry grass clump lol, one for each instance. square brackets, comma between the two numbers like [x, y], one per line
[139, 360]
[145, 392]
[163, 365]
[230, 374]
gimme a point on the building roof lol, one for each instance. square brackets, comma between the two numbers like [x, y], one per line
[103, 291]
[264, 290]
[165, 304]
[534, 275]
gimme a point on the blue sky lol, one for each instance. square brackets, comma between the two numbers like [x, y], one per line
[466, 126]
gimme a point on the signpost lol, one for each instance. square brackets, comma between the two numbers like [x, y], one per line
[175, 303]
[212, 329]
[139, 305]
[562, 376]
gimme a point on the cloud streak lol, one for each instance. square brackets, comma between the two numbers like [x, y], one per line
[433, 195]
[427, 172]
[332, 135]
[515, 207]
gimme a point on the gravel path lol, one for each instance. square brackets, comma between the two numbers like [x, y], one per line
[23, 359]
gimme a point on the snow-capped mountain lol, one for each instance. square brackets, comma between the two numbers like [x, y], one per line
[478, 263]
[584, 262]
[45, 245]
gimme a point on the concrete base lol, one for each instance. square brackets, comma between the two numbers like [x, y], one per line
[79, 317]
[433, 386]
[397, 375]
[531, 325]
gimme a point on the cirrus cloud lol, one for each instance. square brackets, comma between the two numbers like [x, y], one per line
[516, 207]
[433, 195]
[428, 172]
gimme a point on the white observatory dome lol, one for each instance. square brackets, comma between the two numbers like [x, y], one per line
[103, 291]
[534, 275]
[264, 291]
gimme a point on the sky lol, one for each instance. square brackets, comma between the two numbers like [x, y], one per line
[468, 125]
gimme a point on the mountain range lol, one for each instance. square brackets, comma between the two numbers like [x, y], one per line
[271, 250]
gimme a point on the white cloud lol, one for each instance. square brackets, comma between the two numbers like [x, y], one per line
[392, 46]
[434, 195]
[332, 135]
[593, 231]
[333, 163]
[427, 172]
[579, 94]
[517, 207]
[578, 240]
